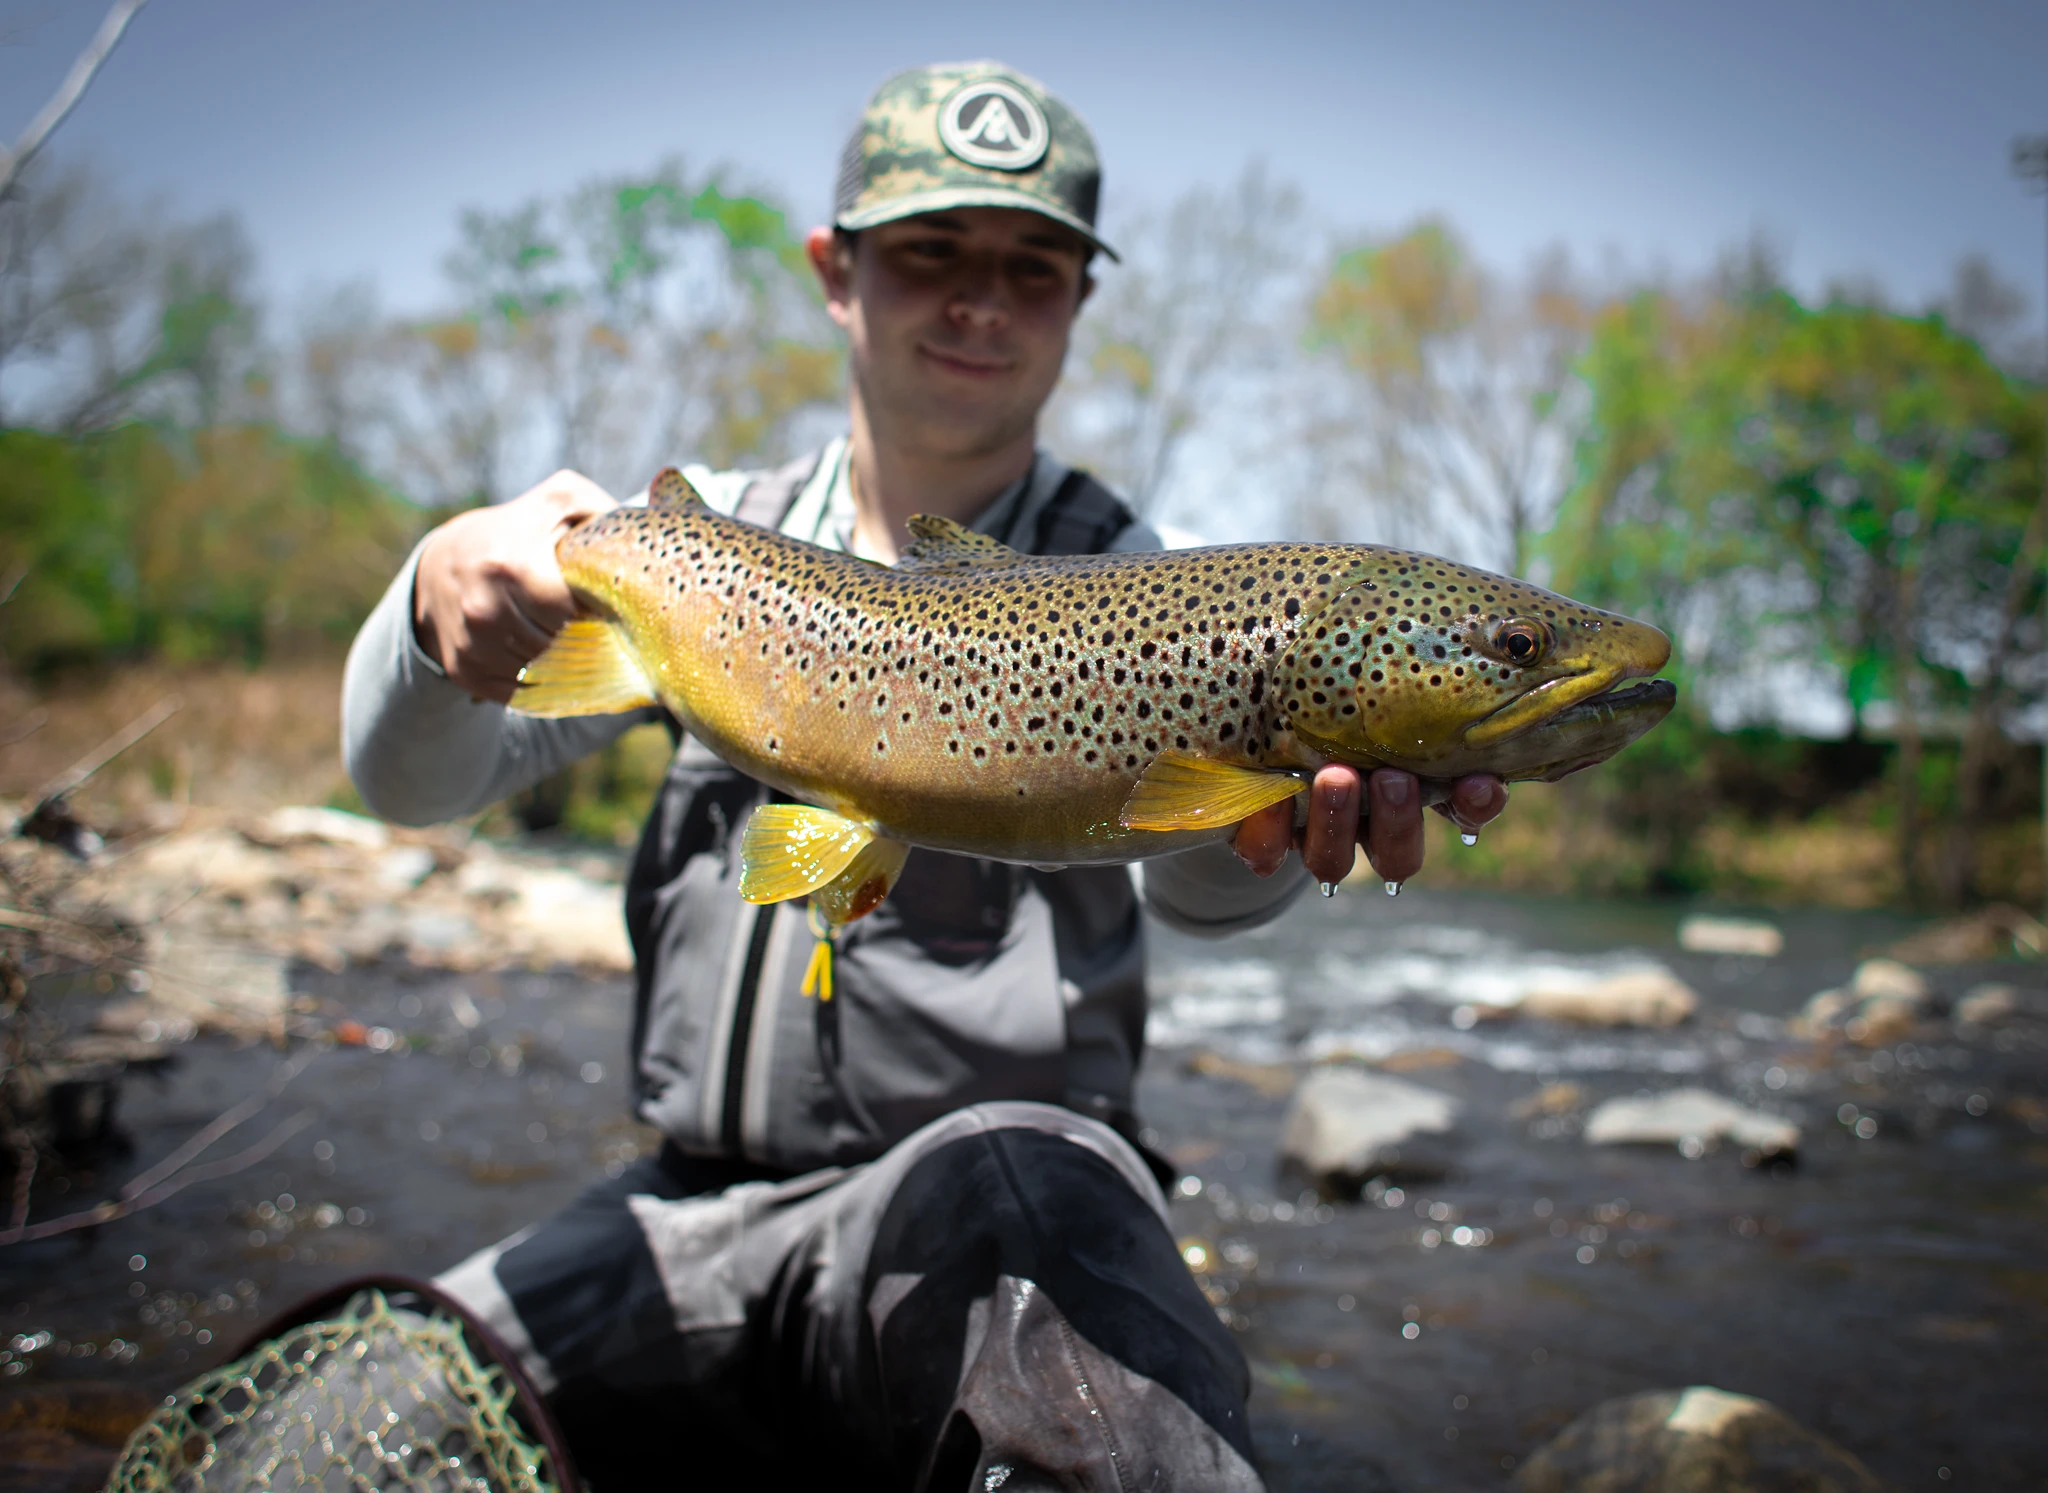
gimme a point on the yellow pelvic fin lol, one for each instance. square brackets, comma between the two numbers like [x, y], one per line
[862, 887]
[1182, 792]
[587, 670]
[671, 486]
[940, 544]
[791, 849]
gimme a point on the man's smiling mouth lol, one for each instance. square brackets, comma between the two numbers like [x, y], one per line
[960, 363]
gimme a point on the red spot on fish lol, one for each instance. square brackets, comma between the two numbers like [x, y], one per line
[868, 898]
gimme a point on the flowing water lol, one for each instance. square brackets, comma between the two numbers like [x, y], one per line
[1889, 1291]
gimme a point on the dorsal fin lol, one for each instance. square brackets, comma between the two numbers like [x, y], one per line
[940, 544]
[671, 486]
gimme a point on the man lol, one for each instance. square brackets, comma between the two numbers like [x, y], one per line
[906, 1231]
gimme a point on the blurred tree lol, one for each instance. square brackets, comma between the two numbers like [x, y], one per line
[233, 541]
[107, 313]
[1778, 485]
[1458, 384]
[1192, 316]
[632, 322]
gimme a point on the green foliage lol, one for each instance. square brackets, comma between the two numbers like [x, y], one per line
[232, 541]
[1772, 483]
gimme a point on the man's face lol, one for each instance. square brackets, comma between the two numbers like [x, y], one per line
[957, 320]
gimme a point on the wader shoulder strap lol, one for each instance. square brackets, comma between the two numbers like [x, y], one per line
[769, 497]
[1081, 518]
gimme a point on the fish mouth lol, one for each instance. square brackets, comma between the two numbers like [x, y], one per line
[1591, 731]
[1610, 701]
[1544, 705]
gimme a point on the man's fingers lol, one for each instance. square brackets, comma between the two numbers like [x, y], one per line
[1263, 839]
[1329, 841]
[1476, 799]
[1394, 831]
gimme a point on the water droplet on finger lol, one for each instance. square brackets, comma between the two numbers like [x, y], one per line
[1469, 836]
[1393, 889]
[1327, 888]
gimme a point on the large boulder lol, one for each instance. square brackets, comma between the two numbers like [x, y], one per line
[1697, 1440]
[1692, 1120]
[1346, 1125]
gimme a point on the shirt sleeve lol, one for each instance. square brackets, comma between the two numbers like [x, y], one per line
[1209, 893]
[420, 749]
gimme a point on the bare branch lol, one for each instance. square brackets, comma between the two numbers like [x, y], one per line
[69, 93]
[109, 1211]
[108, 750]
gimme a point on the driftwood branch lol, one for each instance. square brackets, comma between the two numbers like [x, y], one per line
[107, 1212]
[68, 93]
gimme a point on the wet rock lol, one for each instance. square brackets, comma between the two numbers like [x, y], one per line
[1347, 1124]
[1883, 1020]
[66, 1437]
[403, 867]
[1697, 1440]
[1888, 979]
[305, 824]
[1692, 1120]
[1705, 935]
[1988, 1005]
[1994, 932]
[215, 862]
[1650, 996]
[1551, 1100]
[218, 985]
[1274, 1080]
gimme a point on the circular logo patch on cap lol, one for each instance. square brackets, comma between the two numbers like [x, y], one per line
[991, 123]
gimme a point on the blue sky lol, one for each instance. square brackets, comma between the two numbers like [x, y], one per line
[1870, 139]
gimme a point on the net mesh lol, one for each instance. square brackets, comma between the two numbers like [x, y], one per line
[378, 1397]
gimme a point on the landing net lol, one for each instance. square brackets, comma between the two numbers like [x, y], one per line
[379, 1397]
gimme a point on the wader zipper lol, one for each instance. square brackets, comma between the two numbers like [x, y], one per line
[743, 1029]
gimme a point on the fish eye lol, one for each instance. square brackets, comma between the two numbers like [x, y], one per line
[1521, 642]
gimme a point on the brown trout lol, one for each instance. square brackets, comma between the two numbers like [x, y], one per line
[1059, 710]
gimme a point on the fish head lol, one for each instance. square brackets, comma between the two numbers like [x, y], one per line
[1442, 669]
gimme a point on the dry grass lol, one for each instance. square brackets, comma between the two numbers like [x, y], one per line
[246, 739]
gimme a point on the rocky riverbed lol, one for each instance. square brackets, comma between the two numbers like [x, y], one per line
[1644, 1167]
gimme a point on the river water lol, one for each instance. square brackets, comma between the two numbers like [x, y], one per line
[1889, 1291]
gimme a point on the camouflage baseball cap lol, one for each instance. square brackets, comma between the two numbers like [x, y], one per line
[968, 134]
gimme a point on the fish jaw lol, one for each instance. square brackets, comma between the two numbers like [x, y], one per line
[1623, 650]
[1583, 735]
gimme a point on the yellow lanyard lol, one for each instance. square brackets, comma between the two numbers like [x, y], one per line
[818, 973]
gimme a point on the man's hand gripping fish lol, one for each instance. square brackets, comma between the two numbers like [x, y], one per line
[1057, 710]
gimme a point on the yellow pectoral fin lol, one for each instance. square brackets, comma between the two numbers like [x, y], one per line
[863, 885]
[585, 671]
[1182, 792]
[791, 849]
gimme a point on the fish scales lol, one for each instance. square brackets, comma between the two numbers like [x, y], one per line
[983, 701]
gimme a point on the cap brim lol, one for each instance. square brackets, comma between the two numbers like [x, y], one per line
[944, 197]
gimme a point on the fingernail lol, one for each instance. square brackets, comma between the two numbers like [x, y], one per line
[1393, 889]
[1394, 787]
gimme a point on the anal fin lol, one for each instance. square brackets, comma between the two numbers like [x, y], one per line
[587, 670]
[790, 850]
[1179, 792]
[864, 885]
